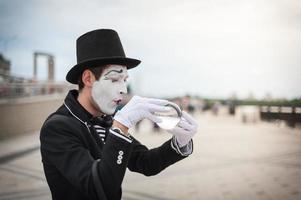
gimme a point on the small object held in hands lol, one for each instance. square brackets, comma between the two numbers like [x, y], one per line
[169, 118]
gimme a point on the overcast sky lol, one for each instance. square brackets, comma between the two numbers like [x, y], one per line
[211, 48]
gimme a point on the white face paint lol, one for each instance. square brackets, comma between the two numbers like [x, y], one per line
[108, 91]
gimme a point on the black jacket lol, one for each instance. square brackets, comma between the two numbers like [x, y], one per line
[79, 165]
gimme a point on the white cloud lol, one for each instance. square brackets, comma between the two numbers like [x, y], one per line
[201, 47]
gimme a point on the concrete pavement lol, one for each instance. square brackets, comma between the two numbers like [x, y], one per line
[231, 160]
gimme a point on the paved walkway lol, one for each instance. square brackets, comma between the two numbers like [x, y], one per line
[231, 160]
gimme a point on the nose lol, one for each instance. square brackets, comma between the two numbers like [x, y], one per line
[123, 89]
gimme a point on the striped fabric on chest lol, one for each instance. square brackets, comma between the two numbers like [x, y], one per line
[101, 132]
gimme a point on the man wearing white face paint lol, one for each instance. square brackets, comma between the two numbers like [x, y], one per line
[85, 151]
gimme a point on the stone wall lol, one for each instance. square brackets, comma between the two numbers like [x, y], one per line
[21, 116]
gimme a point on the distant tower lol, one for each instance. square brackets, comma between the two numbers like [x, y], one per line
[50, 65]
[4, 66]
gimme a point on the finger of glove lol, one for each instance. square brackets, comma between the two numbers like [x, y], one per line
[161, 102]
[189, 118]
[186, 125]
[178, 131]
[153, 117]
[135, 99]
[157, 108]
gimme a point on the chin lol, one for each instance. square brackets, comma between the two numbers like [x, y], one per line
[109, 111]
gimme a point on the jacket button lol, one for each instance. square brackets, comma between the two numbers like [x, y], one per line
[119, 157]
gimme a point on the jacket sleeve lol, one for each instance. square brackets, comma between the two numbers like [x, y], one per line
[151, 162]
[62, 146]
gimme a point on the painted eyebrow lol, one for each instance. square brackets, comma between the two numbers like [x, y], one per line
[120, 71]
[126, 77]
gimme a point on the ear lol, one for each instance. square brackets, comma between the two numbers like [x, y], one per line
[88, 78]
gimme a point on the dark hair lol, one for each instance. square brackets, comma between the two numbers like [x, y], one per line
[97, 71]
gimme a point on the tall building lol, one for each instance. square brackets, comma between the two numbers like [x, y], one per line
[4, 66]
[4, 69]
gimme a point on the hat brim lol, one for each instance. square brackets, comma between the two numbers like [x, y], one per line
[74, 73]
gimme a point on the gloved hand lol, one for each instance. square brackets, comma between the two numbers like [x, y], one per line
[139, 108]
[185, 129]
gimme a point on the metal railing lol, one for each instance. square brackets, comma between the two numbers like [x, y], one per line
[291, 115]
[18, 90]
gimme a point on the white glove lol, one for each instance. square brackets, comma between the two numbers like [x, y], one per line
[139, 108]
[185, 129]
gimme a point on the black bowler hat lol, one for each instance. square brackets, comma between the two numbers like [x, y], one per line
[98, 48]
